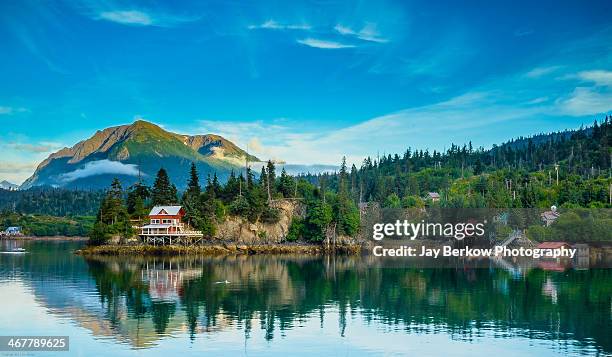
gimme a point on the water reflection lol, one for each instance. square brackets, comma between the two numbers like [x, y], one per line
[142, 301]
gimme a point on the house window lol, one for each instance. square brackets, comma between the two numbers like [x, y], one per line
[155, 221]
[166, 221]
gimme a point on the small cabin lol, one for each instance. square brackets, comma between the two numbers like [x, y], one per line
[549, 217]
[433, 196]
[13, 231]
[554, 245]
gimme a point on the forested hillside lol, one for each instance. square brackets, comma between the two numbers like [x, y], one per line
[51, 201]
[570, 168]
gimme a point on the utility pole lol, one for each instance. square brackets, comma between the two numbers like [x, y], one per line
[360, 193]
[549, 178]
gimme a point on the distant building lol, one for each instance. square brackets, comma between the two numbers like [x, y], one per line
[549, 217]
[433, 196]
[553, 245]
[13, 231]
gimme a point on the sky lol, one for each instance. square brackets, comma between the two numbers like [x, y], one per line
[306, 82]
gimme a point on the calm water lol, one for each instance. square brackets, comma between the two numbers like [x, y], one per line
[301, 305]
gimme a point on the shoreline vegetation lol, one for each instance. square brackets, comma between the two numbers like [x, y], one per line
[221, 249]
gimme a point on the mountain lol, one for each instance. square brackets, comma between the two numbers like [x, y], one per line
[139, 149]
[5, 185]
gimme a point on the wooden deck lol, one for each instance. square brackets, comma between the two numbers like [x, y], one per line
[184, 238]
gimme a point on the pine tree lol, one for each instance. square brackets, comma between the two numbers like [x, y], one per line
[286, 184]
[137, 192]
[263, 181]
[191, 199]
[271, 175]
[193, 185]
[231, 189]
[164, 193]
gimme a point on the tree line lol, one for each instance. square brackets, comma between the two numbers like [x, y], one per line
[569, 169]
[51, 201]
[244, 194]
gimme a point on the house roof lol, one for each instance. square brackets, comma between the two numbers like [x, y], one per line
[550, 215]
[165, 210]
[552, 245]
[433, 194]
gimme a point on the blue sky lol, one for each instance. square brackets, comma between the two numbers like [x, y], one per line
[306, 82]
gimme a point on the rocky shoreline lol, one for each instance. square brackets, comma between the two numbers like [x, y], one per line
[221, 249]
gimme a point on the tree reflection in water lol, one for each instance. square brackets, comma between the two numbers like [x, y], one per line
[158, 297]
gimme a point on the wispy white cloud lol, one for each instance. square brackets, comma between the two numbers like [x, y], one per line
[523, 32]
[127, 17]
[538, 100]
[586, 101]
[16, 171]
[541, 71]
[43, 147]
[131, 14]
[458, 120]
[100, 167]
[274, 25]
[12, 110]
[599, 77]
[367, 33]
[324, 44]
[9, 167]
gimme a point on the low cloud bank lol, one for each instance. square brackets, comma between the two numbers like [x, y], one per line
[297, 169]
[100, 167]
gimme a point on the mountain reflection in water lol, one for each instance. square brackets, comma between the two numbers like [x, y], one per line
[140, 302]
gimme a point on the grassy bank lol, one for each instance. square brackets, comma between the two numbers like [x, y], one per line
[45, 226]
[219, 249]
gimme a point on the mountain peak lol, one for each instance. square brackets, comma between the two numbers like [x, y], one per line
[138, 148]
[5, 185]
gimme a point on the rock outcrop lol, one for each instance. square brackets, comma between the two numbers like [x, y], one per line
[239, 230]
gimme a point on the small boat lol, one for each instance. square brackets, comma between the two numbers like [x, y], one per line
[15, 251]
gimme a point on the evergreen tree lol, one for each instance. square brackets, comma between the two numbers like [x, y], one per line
[193, 185]
[286, 184]
[164, 193]
[137, 196]
[271, 176]
[231, 189]
[191, 199]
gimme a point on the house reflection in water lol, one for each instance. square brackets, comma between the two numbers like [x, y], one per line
[165, 279]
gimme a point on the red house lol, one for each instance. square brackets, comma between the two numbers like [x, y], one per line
[170, 216]
[166, 227]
